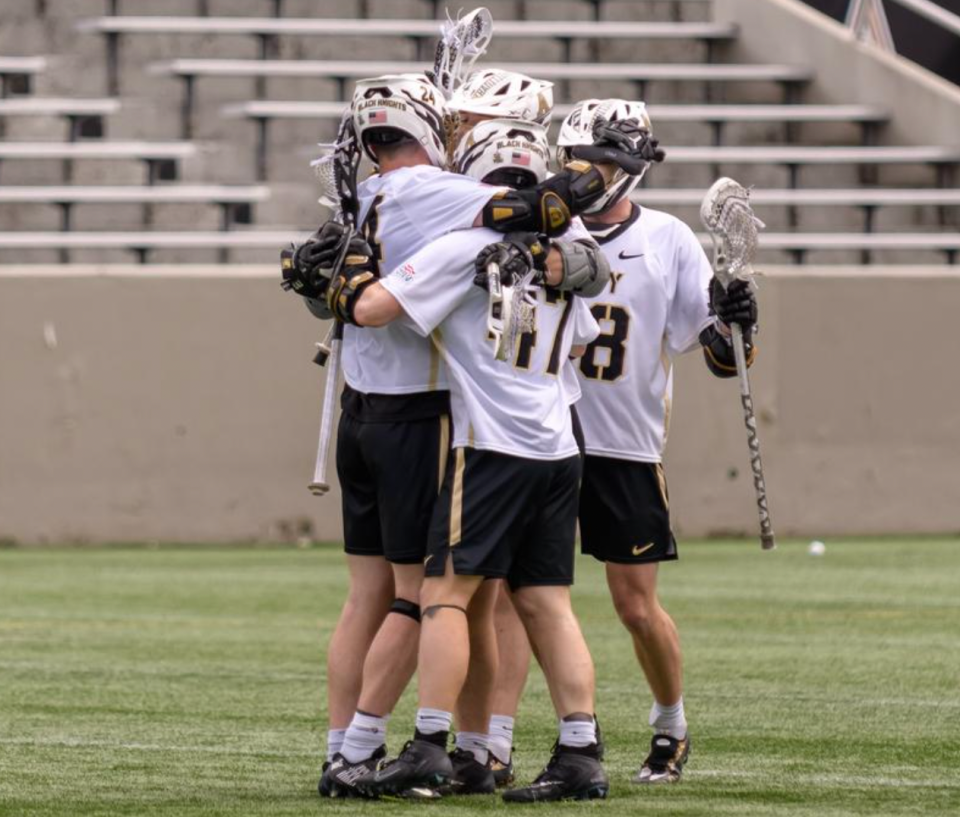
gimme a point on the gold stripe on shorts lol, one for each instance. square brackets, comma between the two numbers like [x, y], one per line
[662, 481]
[444, 450]
[436, 348]
[456, 499]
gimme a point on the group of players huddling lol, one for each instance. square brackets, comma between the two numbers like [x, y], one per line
[464, 476]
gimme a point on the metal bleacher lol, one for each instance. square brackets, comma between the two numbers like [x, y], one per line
[198, 150]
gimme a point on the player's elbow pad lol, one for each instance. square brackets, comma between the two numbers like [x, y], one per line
[586, 270]
[549, 207]
[718, 353]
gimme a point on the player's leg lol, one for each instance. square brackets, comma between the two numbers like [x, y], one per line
[367, 602]
[472, 537]
[371, 587]
[392, 658]
[389, 666]
[513, 648]
[625, 522]
[471, 772]
[548, 617]
[541, 576]
[424, 766]
[406, 460]
[656, 642]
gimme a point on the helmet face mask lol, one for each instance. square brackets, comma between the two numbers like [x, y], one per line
[386, 109]
[504, 152]
[577, 131]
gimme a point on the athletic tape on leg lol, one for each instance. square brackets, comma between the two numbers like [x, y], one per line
[432, 609]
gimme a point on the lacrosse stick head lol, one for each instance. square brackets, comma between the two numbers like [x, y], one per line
[511, 313]
[336, 171]
[462, 42]
[734, 228]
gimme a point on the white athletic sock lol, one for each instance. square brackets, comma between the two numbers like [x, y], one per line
[365, 735]
[578, 734]
[334, 741]
[669, 720]
[431, 721]
[476, 744]
[500, 739]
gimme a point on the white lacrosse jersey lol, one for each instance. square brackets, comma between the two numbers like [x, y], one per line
[404, 210]
[520, 406]
[653, 309]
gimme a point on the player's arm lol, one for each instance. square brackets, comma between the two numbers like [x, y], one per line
[736, 304]
[306, 267]
[549, 207]
[422, 290]
[579, 267]
[354, 294]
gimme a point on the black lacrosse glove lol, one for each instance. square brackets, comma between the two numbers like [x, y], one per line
[516, 255]
[624, 143]
[359, 271]
[306, 267]
[735, 304]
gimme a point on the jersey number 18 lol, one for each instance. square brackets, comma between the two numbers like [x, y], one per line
[604, 358]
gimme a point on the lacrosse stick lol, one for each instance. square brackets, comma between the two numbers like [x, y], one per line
[511, 311]
[727, 214]
[337, 173]
[462, 43]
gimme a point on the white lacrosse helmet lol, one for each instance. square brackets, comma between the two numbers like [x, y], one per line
[408, 103]
[577, 129]
[506, 95]
[504, 152]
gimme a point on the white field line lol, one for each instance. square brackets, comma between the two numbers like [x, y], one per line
[77, 743]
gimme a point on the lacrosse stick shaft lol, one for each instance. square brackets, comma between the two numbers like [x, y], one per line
[767, 540]
[499, 326]
[320, 486]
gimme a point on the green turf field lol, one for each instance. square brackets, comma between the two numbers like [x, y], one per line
[188, 682]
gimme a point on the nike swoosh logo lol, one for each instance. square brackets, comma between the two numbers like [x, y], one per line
[623, 257]
[637, 550]
[427, 559]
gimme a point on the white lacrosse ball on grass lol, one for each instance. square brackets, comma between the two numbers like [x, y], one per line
[816, 548]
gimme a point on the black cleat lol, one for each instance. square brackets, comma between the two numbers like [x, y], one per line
[469, 775]
[665, 762]
[340, 775]
[502, 772]
[422, 768]
[571, 774]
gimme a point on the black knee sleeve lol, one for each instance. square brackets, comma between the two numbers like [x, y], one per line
[406, 608]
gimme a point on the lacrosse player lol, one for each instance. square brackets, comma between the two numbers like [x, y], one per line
[393, 432]
[508, 504]
[661, 301]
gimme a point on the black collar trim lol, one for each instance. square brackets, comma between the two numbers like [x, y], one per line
[604, 233]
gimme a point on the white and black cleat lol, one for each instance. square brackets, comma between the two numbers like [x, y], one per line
[340, 776]
[666, 760]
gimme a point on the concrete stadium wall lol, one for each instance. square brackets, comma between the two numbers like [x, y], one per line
[181, 404]
[924, 108]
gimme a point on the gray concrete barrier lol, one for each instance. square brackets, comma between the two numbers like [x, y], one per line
[181, 404]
